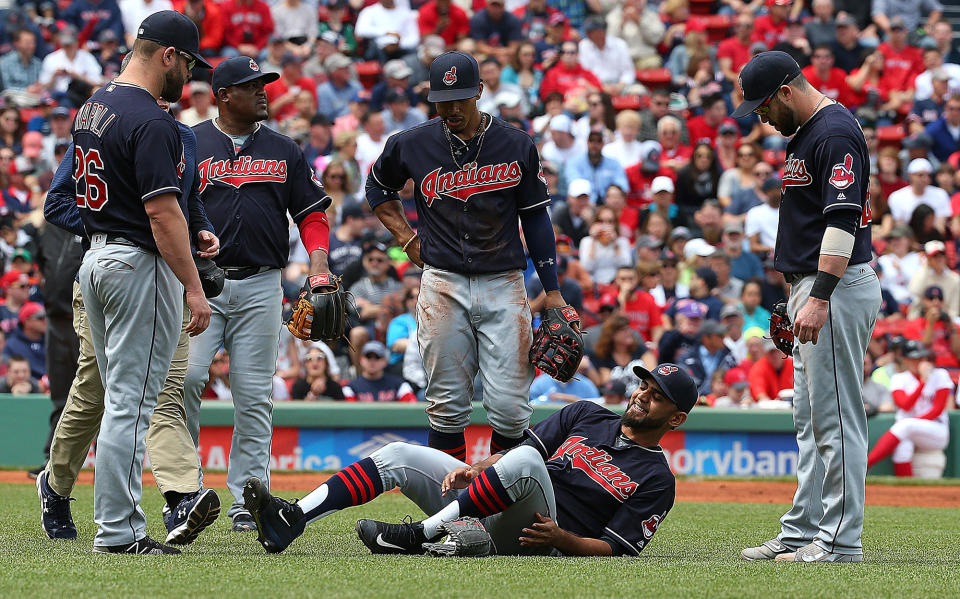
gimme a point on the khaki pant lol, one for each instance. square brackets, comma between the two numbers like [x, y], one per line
[173, 455]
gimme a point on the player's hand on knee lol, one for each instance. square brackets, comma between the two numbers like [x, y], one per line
[459, 478]
[544, 532]
[199, 312]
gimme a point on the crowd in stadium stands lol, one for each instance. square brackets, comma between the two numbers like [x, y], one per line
[665, 208]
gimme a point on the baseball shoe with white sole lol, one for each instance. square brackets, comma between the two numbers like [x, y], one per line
[814, 553]
[380, 537]
[195, 512]
[279, 522]
[766, 551]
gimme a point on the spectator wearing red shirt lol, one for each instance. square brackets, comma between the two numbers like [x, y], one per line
[830, 80]
[901, 63]
[208, 17]
[734, 52]
[443, 18]
[282, 92]
[247, 27]
[637, 305]
[641, 176]
[771, 374]
[868, 80]
[704, 128]
[567, 75]
[935, 329]
[769, 28]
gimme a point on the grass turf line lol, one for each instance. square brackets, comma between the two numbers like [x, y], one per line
[911, 552]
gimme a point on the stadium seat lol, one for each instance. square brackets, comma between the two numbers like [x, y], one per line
[701, 7]
[368, 73]
[776, 158]
[654, 78]
[630, 102]
[890, 135]
[718, 27]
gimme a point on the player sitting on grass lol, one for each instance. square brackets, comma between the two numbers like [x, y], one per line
[585, 481]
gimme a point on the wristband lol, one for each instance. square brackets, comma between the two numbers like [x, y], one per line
[407, 244]
[824, 285]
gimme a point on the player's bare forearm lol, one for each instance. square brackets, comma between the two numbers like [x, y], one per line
[554, 300]
[544, 532]
[460, 478]
[813, 314]
[170, 232]
[318, 262]
[391, 215]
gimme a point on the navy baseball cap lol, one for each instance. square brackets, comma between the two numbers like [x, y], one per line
[237, 70]
[675, 383]
[454, 76]
[762, 77]
[170, 28]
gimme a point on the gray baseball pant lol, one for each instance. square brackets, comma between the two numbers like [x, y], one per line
[134, 305]
[829, 417]
[419, 471]
[246, 321]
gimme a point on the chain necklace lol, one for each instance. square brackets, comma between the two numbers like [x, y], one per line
[479, 135]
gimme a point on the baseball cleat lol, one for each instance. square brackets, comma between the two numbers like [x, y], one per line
[814, 553]
[144, 546]
[243, 522]
[767, 551]
[380, 537]
[195, 512]
[279, 522]
[55, 517]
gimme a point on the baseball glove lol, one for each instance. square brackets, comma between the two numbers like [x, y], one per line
[212, 276]
[321, 311]
[558, 344]
[466, 537]
[781, 329]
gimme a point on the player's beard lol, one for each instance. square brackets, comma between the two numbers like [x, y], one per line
[173, 84]
[641, 423]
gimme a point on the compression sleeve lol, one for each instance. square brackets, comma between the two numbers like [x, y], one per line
[541, 241]
[315, 232]
[60, 207]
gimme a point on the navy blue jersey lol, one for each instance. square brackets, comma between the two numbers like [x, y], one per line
[468, 217]
[607, 486]
[248, 192]
[127, 150]
[827, 169]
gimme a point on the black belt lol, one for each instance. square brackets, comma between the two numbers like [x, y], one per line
[116, 239]
[237, 273]
[794, 277]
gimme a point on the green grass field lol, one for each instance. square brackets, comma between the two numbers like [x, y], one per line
[911, 552]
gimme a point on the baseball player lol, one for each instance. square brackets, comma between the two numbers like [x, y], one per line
[249, 178]
[922, 394]
[585, 481]
[188, 509]
[128, 168]
[823, 246]
[474, 176]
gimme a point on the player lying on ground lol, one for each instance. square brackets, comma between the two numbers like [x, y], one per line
[585, 481]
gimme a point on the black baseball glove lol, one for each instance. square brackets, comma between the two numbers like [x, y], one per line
[320, 313]
[781, 329]
[558, 344]
[212, 276]
[466, 537]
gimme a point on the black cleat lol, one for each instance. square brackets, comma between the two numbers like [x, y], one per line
[279, 522]
[195, 512]
[380, 537]
[144, 546]
[55, 516]
[243, 522]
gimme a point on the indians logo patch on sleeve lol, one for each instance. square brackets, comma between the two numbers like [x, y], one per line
[841, 175]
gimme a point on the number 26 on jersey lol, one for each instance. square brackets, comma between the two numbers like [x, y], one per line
[91, 189]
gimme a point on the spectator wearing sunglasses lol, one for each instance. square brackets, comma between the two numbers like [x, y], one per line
[373, 384]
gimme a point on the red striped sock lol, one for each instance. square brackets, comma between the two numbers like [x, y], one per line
[358, 483]
[454, 444]
[485, 496]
